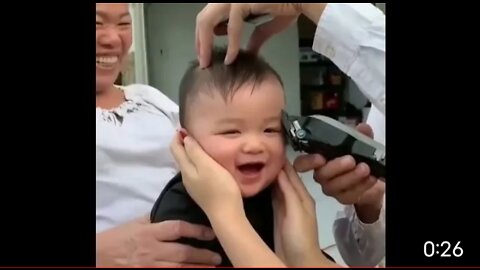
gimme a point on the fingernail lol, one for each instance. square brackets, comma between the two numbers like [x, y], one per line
[216, 259]
[200, 58]
[363, 168]
[227, 60]
[347, 160]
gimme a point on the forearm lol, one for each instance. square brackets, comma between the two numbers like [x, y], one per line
[315, 258]
[241, 243]
[313, 11]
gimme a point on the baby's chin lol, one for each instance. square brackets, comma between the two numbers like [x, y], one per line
[251, 189]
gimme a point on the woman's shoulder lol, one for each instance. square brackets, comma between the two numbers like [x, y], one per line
[153, 97]
[150, 95]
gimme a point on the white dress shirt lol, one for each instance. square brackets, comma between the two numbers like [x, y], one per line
[353, 37]
[133, 155]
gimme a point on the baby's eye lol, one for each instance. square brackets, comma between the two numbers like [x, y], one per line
[229, 132]
[273, 130]
[125, 24]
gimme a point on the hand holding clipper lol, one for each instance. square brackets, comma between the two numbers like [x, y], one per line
[332, 139]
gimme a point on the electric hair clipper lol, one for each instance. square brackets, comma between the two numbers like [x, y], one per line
[332, 139]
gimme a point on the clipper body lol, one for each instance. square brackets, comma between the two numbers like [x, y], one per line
[332, 139]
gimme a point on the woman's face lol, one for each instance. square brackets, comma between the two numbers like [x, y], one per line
[114, 38]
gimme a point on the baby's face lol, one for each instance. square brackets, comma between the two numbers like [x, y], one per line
[244, 134]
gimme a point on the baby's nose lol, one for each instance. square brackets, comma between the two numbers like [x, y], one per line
[253, 145]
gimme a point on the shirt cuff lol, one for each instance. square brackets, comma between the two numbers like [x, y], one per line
[342, 29]
[376, 228]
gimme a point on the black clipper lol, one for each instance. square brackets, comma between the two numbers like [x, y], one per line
[332, 139]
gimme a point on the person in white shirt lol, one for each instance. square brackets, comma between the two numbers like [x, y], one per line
[353, 37]
[135, 125]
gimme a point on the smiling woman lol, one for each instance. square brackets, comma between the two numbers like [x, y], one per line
[135, 124]
[113, 41]
[131, 107]
[114, 36]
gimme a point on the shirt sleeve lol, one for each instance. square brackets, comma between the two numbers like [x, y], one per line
[163, 103]
[352, 36]
[360, 244]
[376, 120]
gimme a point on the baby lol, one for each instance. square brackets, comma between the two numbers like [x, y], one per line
[234, 113]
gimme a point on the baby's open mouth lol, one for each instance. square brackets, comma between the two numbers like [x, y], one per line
[252, 168]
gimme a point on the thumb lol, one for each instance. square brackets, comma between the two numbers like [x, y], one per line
[278, 202]
[145, 219]
[291, 201]
[177, 147]
[365, 129]
[196, 154]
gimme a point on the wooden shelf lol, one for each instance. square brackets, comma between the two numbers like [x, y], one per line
[312, 94]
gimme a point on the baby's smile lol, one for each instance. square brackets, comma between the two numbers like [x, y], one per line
[251, 171]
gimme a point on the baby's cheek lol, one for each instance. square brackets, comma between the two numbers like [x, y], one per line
[278, 166]
[220, 150]
[279, 150]
[278, 156]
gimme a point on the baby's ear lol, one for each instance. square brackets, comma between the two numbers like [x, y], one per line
[183, 133]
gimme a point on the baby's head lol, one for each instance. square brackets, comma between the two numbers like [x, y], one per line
[234, 112]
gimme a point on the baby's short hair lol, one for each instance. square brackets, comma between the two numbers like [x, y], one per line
[225, 79]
